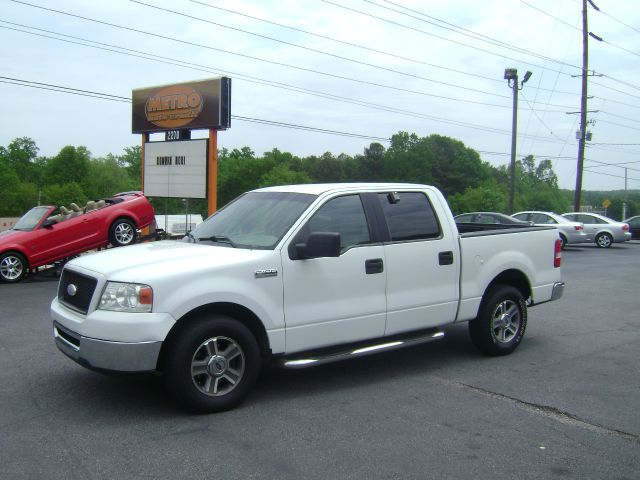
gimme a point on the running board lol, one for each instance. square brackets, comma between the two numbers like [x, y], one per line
[336, 354]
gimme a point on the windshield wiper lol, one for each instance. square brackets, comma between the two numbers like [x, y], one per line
[191, 237]
[218, 239]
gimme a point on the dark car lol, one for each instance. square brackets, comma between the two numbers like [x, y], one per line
[43, 236]
[634, 226]
[489, 218]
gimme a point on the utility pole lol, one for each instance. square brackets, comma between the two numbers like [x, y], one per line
[511, 75]
[624, 204]
[583, 108]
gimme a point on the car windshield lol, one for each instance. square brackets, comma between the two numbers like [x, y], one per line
[256, 220]
[30, 219]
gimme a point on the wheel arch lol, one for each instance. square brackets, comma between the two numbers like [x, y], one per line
[514, 278]
[20, 252]
[238, 312]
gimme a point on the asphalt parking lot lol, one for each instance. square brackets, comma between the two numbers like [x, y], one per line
[566, 404]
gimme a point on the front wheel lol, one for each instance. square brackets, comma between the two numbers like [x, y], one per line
[212, 364]
[501, 322]
[13, 267]
[122, 233]
[604, 240]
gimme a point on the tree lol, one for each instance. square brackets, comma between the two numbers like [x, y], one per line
[20, 155]
[70, 165]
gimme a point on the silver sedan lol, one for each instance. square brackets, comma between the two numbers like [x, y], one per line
[600, 229]
[570, 232]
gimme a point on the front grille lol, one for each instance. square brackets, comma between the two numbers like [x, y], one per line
[83, 286]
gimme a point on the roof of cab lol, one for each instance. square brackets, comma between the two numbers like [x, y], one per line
[320, 188]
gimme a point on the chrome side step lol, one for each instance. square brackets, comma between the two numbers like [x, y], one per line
[300, 360]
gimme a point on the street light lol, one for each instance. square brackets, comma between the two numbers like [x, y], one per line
[511, 76]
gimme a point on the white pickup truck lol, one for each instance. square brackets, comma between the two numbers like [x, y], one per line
[298, 276]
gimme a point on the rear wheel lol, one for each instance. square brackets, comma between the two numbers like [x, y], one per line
[604, 240]
[13, 267]
[122, 233]
[501, 322]
[212, 364]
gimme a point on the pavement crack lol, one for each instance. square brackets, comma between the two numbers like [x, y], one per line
[552, 413]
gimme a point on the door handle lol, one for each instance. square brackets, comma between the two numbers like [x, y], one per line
[374, 265]
[445, 258]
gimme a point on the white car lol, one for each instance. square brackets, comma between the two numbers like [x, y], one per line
[600, 229]
[570, 232]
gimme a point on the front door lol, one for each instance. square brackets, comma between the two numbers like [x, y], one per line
[338, 299]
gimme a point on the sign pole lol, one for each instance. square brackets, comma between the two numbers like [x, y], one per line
[145, 139]
[212, 181]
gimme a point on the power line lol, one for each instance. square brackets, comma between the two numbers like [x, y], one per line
[437, 36]
[118, 98]
[273, 62]
[464, 31]
[161, 59]
[351, 44]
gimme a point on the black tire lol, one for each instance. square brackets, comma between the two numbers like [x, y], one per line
[122, 233]
[604, 240]
[501, 322]
[563, 241]
[212, 364]
[13, 267]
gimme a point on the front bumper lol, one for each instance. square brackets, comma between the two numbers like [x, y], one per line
[107, 355]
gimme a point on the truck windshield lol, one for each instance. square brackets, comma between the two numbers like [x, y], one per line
[30, 219]
[256, 220]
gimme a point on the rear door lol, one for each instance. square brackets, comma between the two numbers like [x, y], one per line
[339, 299]
[421, 262]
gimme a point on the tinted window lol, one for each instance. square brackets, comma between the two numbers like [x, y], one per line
[521, 216]
[464, 218]
[542, 218]
[343, 215]
[409, 216]
[483, 218]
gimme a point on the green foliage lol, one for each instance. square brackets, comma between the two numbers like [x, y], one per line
[489, 197]
[64, 194]
[469, 183]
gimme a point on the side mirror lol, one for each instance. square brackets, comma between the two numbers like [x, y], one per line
[49, 222]
[319, 244]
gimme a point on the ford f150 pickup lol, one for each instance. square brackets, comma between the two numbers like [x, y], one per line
[299, 276]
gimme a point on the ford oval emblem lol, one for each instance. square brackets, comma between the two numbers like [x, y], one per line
[72, 290]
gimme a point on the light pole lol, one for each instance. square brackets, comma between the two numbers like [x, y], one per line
[511, 76]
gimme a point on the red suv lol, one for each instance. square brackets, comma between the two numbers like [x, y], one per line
[40, 237]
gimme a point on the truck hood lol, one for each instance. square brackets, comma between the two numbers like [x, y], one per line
[144, 262]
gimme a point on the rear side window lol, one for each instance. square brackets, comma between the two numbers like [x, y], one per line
[409, 216]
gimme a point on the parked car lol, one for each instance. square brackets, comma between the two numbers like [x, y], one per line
[489, 218]
[570, 232]
[43, 236]
[600, 229]
[634, 226]
[301, 275]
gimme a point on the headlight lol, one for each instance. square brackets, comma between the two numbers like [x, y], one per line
[126, 297]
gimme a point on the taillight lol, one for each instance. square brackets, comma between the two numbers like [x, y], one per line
[625, 227]
[578, 227]
[557, 257]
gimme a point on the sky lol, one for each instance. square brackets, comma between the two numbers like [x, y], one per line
[371, 68]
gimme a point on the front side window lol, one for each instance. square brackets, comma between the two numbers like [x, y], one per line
[254, 220]
[343, 215]
[30, 219]
[409, 216]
